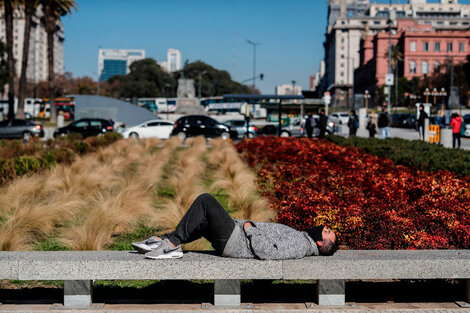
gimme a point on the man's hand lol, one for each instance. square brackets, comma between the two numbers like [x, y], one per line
[246, 225]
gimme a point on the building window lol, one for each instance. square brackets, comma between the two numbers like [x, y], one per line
[449, 47]
[425, 46]
[413, 46]
[412, 67]
[425, 67]
[462, 47]
[437, 47]
[437, 67]
[342, 73]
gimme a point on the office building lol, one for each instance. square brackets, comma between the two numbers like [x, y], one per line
[37, 61]
[116, 61]
[288, 89]
[351, 21]
[173, 61]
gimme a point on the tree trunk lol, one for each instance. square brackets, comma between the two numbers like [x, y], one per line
[11, 61]
[50, 29]
[29, 10]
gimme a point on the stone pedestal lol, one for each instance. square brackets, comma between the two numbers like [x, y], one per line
[331, 292]
[78, 293]
[227, 293]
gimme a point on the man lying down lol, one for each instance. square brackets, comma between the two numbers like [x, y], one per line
[237, 238]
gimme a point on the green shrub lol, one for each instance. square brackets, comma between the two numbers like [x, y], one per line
[81, 147]
[419, 154]
[26, 164]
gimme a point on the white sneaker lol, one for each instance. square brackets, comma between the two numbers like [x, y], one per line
[147, 245]
[165, 250]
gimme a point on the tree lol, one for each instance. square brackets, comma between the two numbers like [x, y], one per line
[397, 56]
[53, 10]
[3, 68]
[9, 6]
[145, 79]
[29, 10]
[214, 82]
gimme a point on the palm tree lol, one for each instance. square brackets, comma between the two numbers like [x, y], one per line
[9, 6]
[397, 56]
[53, 10]
[29, 10]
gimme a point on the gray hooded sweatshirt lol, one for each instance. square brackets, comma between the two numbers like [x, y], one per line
[268, 241]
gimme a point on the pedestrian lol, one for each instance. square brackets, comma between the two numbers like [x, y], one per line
[237, 238]
[456, 123]
[371, 124]
[309, 125]
[322, 123]
[421, 122]
[384, 123]
[353, 123]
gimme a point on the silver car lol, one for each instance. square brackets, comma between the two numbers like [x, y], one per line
[18, 128]
[297, 129]
[240, 127]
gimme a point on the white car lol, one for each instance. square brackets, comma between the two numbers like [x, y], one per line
[154, 128]
[340, 118]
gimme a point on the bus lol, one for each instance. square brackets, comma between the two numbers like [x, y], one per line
[64, 105]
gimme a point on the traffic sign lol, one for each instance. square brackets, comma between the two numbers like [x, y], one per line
[389, 79]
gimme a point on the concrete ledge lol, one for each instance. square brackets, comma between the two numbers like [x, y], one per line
[91, 265]
[381, 264]
[348, 264]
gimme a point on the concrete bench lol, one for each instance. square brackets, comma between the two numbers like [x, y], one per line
[80, 268]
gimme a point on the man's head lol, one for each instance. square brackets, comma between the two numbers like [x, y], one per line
[384, 108]
[322, 112]
[324, 238]
[421, 107]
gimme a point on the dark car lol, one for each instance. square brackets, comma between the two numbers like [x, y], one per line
[19, 128]
[403, 120]
[86, 127]
[196, 125]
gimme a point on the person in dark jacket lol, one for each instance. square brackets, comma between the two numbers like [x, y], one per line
[384, 122]
[353, 123]
[322, 123]
[421, 121]
[237, 238]
[309, 125]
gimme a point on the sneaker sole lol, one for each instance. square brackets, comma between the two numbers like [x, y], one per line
[171, 255]
[141, 248]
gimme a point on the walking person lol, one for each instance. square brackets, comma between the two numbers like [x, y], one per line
[309, 125]
[421, 122]
[384, 123]
[456, 123]
[353, 123]
[322, 123]
[371, 124]
[237, 238]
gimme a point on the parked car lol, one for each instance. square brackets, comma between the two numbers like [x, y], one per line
[154, 128]
[19, 128]
[240, 127]
[86, 127]
[340, 118]
[296, 128]
[466, 119]
[403, 120]
[196, 125]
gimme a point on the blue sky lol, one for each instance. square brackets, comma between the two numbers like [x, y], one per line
[290, 33]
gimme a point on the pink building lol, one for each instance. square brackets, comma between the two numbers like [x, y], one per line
[425, 51]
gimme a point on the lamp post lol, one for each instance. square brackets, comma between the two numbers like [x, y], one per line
[434, 93]
[443, 94]
[389, 53]
[427, 93]
[366, 98]
[254, 44]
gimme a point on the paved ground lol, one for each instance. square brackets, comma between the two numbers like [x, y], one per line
[403, 133]
[258, 308]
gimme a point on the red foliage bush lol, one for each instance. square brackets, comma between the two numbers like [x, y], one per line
[369, 201]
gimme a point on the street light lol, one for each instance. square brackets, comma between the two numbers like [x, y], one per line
[443, 94]
[366, 98]
[434, 93]
[427, 93]
[254, 61]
